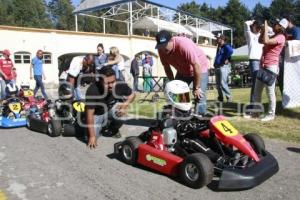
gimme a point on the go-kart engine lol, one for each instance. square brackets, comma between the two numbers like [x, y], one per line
[170, 138]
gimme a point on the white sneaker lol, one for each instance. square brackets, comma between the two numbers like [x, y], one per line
[268, 118]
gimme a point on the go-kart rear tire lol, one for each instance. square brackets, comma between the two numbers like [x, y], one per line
[196, 170]
[129, 150]
[54, 128]
[256, 142]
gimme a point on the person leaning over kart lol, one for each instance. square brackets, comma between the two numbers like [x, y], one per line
[188, 59]
[101, 105]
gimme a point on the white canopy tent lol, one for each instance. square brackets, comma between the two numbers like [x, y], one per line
[131, 12]
[200, 32]
[154, 24]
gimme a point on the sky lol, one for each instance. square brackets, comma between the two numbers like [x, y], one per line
[214, 3]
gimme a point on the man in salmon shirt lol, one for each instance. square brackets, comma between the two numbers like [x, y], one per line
[6, 71]
[188, 59]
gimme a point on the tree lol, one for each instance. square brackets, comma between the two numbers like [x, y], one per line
[6, 12]
[61, 14]
[260, 13]
[279, 8]
[234, 15]
[30, 13]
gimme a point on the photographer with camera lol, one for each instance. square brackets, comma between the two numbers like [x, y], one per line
[252, 31]
[269, 68]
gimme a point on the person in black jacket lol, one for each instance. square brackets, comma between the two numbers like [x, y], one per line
[134, 70]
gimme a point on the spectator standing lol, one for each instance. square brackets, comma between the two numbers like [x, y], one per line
[73, 74]
[252, 32]
[6, 71]
[147, 77]
[101, 58]
[149, 60]
[38, 73]
[292, 33]
[134, 70]
[270, 63]
[88, 70]
[190, 62]
[117, 63]
[222, 68]
[146, 32]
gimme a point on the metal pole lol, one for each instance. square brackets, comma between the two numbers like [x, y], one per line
[197, 39]
[104, 31]
[231, 34]
[130, 10]
[76, 23]
[158, 29]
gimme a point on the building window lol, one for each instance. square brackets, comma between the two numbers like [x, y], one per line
[22, 57]
[47, 58]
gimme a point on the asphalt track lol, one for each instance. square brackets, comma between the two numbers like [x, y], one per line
[34, 166]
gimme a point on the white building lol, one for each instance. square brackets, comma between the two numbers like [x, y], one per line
[58, 46]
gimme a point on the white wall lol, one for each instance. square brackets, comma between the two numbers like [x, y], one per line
[62, 42]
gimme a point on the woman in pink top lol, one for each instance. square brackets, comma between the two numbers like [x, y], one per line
[270, 61]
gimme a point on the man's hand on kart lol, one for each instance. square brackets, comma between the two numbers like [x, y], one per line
[121, 110]
[198, 93]
[92, 143]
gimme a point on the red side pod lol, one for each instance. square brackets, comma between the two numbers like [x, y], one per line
[227, 134]
[162, 161]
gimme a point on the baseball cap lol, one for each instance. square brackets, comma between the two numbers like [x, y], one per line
[162, 39]
[284, 23]
[221, 36]
[6, 52]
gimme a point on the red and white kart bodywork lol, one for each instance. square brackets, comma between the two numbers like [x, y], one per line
[240, 162]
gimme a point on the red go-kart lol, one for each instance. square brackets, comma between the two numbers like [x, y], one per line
[197, 149]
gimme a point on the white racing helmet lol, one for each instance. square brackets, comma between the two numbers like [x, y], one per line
[178, 95]
[25, 86]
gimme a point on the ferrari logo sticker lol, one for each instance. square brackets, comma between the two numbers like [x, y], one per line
[2, 196]
[79, 106]
[226, 128]
[15, 107]
[28, 93]
[156, 160]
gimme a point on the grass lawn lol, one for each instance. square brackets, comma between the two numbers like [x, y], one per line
[286, 125]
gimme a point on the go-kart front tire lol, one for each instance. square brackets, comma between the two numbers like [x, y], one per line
[129, 150]
[54, 128]
[196, 170]
[256, 142]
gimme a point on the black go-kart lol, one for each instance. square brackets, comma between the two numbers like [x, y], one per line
[58, 118]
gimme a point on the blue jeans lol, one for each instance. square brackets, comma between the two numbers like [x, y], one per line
[102, 120]
[201, 103]
[259, 86]
[3, 85]
[135, 82]
[39, 84]
[222, 82]
[254, 67]
[77, 92]
[117, 72]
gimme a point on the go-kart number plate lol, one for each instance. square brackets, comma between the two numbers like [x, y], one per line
[79, 106]
[226, 128]
[28, 93]
[15, 107]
